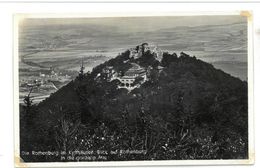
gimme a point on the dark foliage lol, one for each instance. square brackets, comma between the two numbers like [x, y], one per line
[190, 110]
[147, 59]
[168, 58]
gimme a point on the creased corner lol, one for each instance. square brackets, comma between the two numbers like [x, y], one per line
[247, 14]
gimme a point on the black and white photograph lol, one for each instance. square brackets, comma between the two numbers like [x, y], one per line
[135, 88]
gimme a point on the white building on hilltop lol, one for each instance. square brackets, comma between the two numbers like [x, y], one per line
[131, 79]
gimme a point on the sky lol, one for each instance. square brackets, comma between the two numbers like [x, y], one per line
[137, 24]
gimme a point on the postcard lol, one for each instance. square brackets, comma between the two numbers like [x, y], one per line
[133, 90]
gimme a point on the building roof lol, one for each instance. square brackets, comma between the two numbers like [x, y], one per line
[135, 69]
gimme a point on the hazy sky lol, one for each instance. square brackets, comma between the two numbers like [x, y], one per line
[135, 24]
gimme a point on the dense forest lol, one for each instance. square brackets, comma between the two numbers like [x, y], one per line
[189, 110]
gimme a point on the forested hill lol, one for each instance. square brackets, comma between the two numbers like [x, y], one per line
[186, 110]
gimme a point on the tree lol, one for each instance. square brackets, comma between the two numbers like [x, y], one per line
[148, 59]
[81, 71]
[28, 109]
[28, 100]
[168, 58]
[65, 134]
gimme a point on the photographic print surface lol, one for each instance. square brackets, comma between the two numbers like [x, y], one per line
[133, 88]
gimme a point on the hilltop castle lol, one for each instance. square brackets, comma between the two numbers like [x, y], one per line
[139, 50]
[135, 75]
